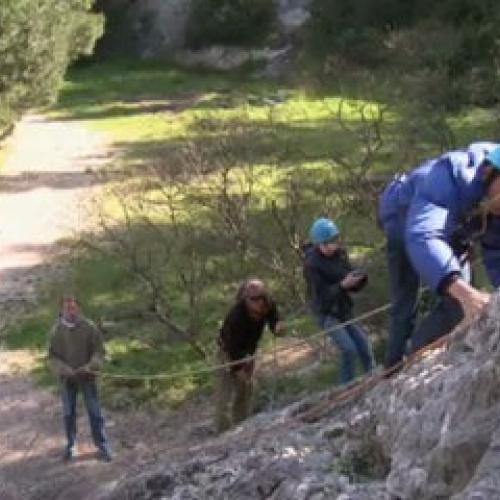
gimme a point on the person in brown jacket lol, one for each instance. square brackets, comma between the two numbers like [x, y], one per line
[76, 354]
[239, 338]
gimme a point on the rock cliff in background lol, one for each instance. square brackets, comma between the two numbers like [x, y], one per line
[292, 14]
[431, 432]
[157, 28]
[146, 28]
[160, 25]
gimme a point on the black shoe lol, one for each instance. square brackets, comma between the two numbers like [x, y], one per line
[68, 454]
[104, 454]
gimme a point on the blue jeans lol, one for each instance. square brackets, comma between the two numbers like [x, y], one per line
[404, 285]
[352, 341]
[441, 320]
[69, 394]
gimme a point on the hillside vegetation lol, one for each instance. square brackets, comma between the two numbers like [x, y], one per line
[217, 177]
[38, 40]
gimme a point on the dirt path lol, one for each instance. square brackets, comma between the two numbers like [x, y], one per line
[31, 440]
[46, 178]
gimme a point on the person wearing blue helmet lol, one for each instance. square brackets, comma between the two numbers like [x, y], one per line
[331, 279]
[430, 217]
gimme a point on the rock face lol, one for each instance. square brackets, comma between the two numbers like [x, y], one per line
[432, 432]
[157, 28]
[159, 25]
[228, 58]
[292, 14]
[145, 28]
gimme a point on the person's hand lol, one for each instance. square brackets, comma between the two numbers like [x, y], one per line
[473, 301]
[352, 279]
[280, 328]
[84, 373]
[69, 375]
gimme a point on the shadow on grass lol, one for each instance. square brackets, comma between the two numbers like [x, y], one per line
[163, 86]
[29, 181]
[211, 146]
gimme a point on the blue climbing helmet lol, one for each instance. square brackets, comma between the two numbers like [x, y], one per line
[493, 157]
[323, 230]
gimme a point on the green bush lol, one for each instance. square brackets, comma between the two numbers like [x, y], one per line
[38, 39]
[231, 22]
[457, 40]
[354, 28]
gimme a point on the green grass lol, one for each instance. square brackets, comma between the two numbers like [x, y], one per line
[282, 134]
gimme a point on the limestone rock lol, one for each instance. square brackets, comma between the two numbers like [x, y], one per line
[225, 58]
[292, 14]
[159, 25]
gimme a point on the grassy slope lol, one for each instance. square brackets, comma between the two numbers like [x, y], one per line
[150, 110]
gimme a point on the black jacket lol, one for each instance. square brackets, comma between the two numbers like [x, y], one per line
[240, 334]
[323, 276]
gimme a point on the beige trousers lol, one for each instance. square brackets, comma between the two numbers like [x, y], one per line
[232, 396]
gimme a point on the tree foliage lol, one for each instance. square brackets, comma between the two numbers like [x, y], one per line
[455, 42]
[38, 39]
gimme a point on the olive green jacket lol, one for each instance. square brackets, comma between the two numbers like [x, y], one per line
[75, 347]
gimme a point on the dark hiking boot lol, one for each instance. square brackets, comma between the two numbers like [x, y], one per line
[104, 454]
[68, 454]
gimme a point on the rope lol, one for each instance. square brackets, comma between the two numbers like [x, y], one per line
[369, 381]
[317, 411]
[214, 368]
[291, 318]
[274, 374]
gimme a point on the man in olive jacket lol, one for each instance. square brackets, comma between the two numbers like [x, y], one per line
[76, 354]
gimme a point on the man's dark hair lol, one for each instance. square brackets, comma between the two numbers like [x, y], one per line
[246, 285]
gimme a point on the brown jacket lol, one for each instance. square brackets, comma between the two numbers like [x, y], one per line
[76, 347]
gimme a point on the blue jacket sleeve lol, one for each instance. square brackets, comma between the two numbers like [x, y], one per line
[431, 214]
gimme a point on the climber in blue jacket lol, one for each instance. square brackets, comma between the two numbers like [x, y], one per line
[429, 217]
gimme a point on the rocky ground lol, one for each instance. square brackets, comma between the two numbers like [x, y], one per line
[31, 440]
